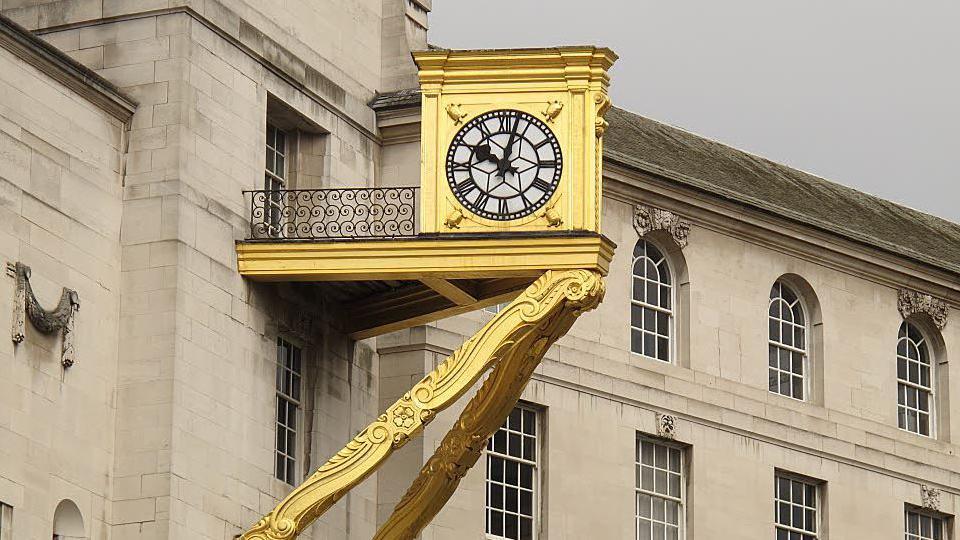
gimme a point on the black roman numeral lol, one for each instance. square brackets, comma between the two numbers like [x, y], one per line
[542, 185]
[466, 186]
[548, 163]
[503, 207]
[504, 122]
[481, 201]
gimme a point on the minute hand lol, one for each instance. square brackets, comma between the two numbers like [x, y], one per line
[505, 163]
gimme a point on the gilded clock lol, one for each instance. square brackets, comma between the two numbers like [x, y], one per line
[504, 165]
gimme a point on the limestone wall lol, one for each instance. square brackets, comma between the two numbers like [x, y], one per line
[60, 209]
[196, 403]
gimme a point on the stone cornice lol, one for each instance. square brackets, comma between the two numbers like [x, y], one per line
[635, 165]
[730, 218]
[75, 76]
[291, 67]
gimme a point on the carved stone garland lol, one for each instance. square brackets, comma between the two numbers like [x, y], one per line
[916, 303]
[647, 219]
[512, 344]
[61, 318]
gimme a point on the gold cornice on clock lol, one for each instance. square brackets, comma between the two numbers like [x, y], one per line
[552, 64]
[566, 87]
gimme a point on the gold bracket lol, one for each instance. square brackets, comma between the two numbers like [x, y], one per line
[512, 344]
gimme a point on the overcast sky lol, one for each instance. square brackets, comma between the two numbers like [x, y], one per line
[864, 93]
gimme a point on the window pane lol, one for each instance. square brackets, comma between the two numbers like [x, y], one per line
[787, 335]
[287, 411]
[651, 311]
[915, 381]
[511, 477]
[659, 489]
[795, 508]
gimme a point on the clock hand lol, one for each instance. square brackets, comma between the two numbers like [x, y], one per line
[505, 164]
[483, 153]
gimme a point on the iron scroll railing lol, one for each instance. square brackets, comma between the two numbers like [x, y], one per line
[320, 214]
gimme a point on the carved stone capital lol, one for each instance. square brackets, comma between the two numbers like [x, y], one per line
[59, 319]
[666, 426]
[647, 219]
[917, 303]
[930, 497]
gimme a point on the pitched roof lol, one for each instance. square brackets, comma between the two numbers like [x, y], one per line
[668, 152]
[672, 153]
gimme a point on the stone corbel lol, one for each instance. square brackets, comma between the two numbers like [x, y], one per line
[930, 498]
[647, 219]
[666, 426]
[911, 303]
[59, 319]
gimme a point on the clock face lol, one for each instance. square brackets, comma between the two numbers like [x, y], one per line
[504, 165]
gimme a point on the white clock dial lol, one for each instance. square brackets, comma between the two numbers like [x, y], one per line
[504, 165]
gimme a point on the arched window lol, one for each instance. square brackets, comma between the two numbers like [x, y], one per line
[914, 381]
[67, 521]
[651, 313]
[788, 357]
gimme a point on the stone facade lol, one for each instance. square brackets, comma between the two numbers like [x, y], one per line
[165, 427]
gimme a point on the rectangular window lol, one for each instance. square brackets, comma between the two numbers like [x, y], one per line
[513, 477]
[659, 490]
[920, 525]
[6, 522]
[288, 410]
[275, 175]
[796, 508]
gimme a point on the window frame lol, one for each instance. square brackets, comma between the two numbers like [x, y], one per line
[537, 479]
[944, 520]
[298, 419]
[638, 489]
[6, 521]
[274, 200]
[671, 312]
[806, 362]
[818, 486]
[932, 394]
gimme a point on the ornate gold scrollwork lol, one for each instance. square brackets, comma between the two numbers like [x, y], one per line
[603, 105]
[512, 343]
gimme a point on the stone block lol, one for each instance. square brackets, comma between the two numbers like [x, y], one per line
[136, 52]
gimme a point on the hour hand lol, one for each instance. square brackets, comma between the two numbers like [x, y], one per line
[483, 153]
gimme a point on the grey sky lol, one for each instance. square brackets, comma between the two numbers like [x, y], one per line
[865, 93]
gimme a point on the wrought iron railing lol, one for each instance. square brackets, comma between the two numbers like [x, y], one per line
[314, 214]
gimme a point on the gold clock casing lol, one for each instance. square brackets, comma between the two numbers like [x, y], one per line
[565, 87]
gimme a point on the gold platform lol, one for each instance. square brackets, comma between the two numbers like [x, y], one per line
[399, 283]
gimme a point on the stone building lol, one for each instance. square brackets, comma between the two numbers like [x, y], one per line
[771, 360]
